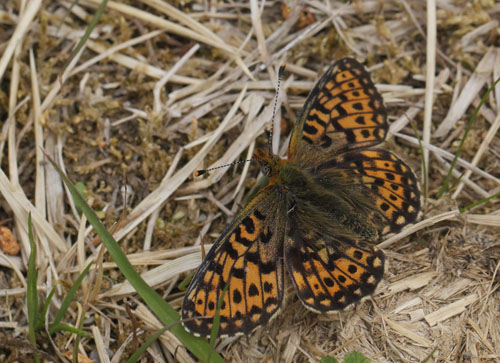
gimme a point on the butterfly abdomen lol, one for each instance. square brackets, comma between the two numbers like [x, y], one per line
[326, 215]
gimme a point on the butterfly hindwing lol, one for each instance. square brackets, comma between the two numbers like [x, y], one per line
[331, 273]
[247, 258]
[389, 184]
[343, 112]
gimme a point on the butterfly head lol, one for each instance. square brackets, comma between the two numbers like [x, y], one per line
[280, 171]
[269, 164]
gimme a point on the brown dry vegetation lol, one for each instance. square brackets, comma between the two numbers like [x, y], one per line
[162, 89]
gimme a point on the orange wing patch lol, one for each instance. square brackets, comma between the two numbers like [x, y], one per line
[344, 111]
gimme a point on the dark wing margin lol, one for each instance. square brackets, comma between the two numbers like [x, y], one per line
[248, 258]
[344, 111]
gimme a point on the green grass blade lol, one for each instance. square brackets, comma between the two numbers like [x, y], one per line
[444, 188]
[32, 293]
[76, 331]
[68, 299]
[43, 314]
[459, 179]
[75, 2]
[356, 357]
[142, 349]
[216, 322]
[429, 356]
[88, 31]
[167, 315]
[479, 202]
[185, 283]
[328, 359]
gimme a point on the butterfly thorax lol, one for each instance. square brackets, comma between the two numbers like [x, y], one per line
[320, 199]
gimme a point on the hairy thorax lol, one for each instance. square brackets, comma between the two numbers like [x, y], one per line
[320, 199]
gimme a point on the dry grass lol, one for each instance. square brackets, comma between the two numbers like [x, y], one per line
[162, 90]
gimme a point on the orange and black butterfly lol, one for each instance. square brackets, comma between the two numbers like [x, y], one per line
[321, 213]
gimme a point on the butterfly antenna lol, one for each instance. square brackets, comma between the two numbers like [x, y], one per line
[204, 171]
[280, 75]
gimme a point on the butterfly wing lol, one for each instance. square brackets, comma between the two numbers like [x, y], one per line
[248, 258]
[356, 197]
[382, 179]
[330, 273]
[344, 111]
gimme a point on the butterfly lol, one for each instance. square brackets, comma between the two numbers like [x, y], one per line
[323, 209]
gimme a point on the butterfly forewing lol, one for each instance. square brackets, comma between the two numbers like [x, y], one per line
[247, 258]
[344, 111]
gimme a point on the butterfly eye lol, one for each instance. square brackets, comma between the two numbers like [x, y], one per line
[266, 170]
